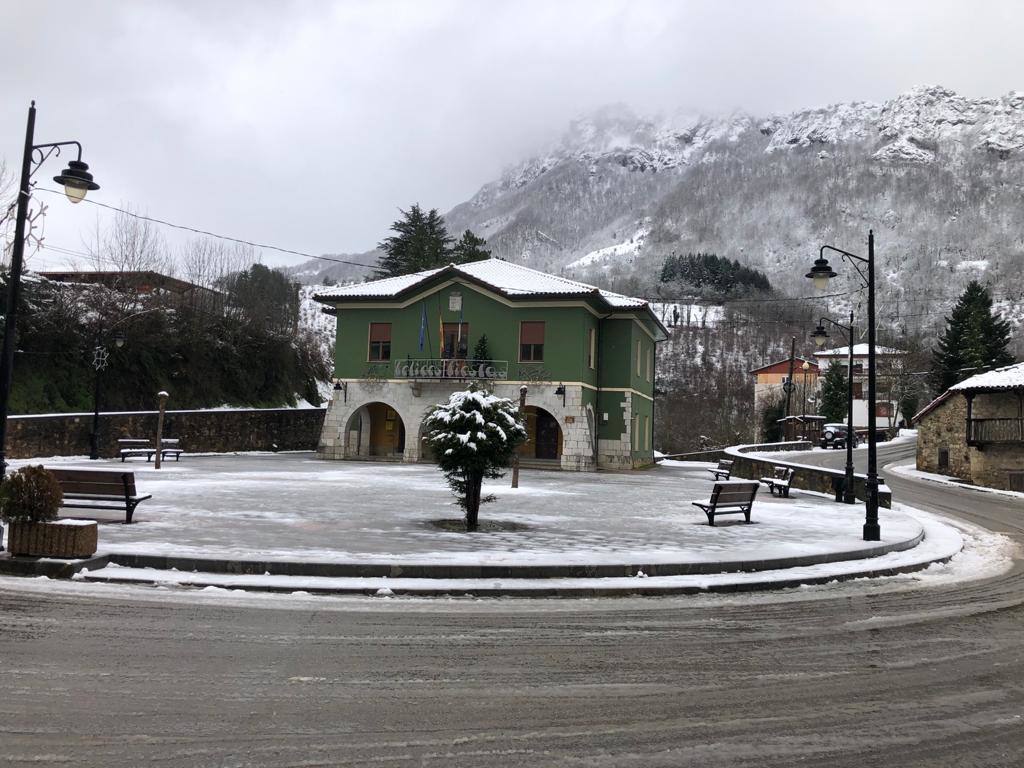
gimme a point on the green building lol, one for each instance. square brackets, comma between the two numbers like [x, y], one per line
[584, 355]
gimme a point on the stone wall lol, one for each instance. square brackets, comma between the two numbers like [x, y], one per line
[945, 428]
[806, 477]
[263, 429]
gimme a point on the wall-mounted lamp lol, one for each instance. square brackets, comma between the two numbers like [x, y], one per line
[561, 391]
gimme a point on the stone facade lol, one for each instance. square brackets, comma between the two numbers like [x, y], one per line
[942, 441]
[350, 414]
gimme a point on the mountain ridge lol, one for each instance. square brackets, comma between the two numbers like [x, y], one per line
[936, 174]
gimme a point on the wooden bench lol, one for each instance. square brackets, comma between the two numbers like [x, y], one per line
[99, 489]
[723, 470]
[779, 481]
[131, 446]
[729, 497]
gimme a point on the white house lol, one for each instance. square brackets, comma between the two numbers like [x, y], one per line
[890, 363]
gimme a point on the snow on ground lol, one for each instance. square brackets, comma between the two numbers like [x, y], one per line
[941, 542]
[628, 248]
[910, 470]
[976, 264]
[690, 315]
[905, 436]
[294, 506]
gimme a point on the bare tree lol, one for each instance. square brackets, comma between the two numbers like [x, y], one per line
[129, 244]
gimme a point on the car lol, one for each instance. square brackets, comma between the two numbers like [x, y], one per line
[834, 436]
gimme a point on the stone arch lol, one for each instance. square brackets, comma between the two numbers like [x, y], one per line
[426, 452]
[546, 441]
[375, 430]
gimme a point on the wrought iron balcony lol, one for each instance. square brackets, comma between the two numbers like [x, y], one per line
[449, 368]
[985, 431]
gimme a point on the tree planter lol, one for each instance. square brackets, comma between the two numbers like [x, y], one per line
[65, 538]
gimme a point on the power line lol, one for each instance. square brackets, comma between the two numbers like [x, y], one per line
[214, 234]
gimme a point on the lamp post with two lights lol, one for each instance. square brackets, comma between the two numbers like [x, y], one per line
[821, 272]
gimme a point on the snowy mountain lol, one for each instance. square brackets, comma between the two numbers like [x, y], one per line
[937, 175]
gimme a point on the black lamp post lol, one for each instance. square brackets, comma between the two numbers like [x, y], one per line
[820, 336]
[821, 273]
[100, 356]
[77, 182]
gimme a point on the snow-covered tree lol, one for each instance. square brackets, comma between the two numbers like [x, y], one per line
[835, 394]
[474, 436]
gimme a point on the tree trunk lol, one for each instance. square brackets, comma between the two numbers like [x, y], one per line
[474, 481]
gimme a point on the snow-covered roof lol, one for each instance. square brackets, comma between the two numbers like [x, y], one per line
[797, 362]
[503, 276]
[1007, 377]
[859, 350]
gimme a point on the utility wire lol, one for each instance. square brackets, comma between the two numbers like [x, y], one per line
[214, 234]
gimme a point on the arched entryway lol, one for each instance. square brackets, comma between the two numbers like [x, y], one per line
[545, 436]
[426, 451]
[375, 431]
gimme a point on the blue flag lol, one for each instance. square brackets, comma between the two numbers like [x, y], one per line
[423, 327]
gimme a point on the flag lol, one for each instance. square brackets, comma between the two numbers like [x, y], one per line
[423, 327]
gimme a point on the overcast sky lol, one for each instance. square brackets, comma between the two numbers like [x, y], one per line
[307, 124]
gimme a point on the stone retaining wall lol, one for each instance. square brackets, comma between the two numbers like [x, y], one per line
[210, 431]
[807, 477]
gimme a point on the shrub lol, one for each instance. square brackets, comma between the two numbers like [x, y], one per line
[32, 494]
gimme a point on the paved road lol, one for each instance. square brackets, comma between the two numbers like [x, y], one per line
[852, 675]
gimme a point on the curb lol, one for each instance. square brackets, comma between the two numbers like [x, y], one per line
[386, 590]
[447, 571]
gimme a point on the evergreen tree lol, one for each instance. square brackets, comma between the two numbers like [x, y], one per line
[265, 297]
[420, 242]
[834, 394]
[482, 352]
[469, 248]
[713, 276]
[771, 428]
[975, 339]
[474, 436]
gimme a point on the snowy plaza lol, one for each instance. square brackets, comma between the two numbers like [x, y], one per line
[292, 508]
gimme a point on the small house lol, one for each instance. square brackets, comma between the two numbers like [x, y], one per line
[975, 430]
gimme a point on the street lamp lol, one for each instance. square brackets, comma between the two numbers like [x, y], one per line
[820, 336]
[77, 182]
[821, 273]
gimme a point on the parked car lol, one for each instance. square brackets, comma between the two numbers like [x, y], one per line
[834, 436]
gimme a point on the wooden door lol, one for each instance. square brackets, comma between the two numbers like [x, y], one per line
[547, 436]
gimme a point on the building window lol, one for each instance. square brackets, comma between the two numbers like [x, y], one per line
[380, 341]
[647, 433]
[531, 342]
[592, 349]
[943, 459]
[639, 348]
[858, 390]
[456, 341]
[650, 363]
